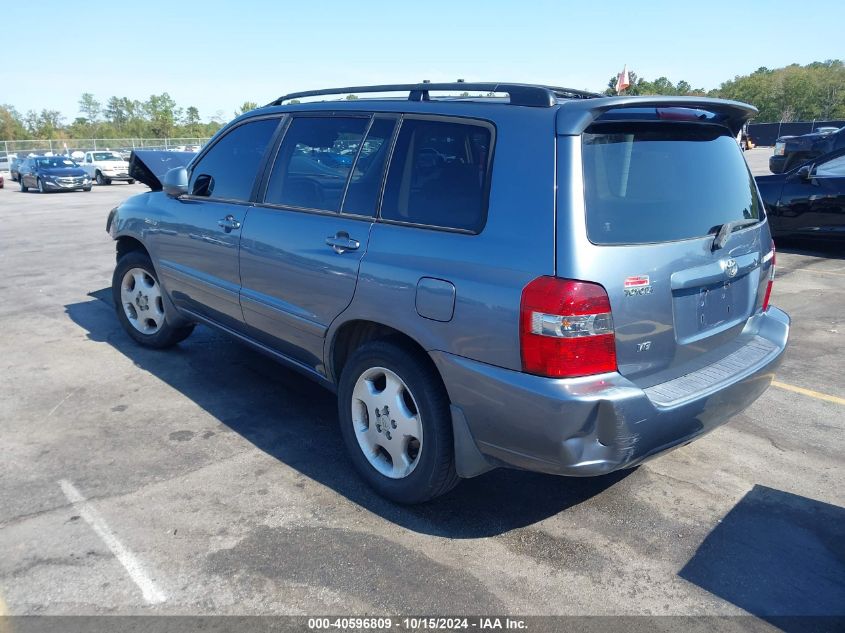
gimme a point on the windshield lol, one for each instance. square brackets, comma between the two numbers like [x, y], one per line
[52, 162]
[106, 156]
[660, 182]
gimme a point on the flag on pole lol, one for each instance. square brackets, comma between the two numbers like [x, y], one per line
[623, 81]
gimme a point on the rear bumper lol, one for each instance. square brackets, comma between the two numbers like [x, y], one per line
[598, 424]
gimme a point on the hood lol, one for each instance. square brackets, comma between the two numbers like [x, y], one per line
[808, 138]
[150, 166]
[61, 171]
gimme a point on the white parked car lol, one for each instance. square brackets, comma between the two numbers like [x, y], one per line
[106, 166]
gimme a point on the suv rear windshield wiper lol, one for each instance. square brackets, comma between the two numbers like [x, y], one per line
[727, 228]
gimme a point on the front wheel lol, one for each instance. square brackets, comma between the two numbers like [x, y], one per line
[24, 188]
[41, 186]
[396, 423]
[140, 304]
[100, 178]
[131, 181]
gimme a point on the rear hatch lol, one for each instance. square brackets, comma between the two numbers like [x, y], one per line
[676, 235]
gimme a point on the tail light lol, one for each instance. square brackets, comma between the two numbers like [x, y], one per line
[566, 329]
[767, 257]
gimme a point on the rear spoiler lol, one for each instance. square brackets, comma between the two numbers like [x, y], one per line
[575, 116]
[149, 166]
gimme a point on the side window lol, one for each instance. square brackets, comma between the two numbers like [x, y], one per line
[834, 168]
[229, 168]
[438, 175]
[314, 161]
[365, 182]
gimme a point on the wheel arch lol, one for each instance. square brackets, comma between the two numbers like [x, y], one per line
[350, 335]
[127, 244]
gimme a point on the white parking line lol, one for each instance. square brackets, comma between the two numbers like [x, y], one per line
[152, 594]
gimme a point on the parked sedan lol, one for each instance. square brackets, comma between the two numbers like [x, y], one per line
[808, 201]
[14, 167]
[53, 173]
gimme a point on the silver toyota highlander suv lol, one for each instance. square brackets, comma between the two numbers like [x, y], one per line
[539, 278]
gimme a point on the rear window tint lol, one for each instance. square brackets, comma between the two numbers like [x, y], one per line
[659, 182]
[438, 175]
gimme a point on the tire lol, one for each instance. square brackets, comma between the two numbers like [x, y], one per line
[100, 179]
[143, 315]
[131, 181]
[40, 186]
[427, 467]
[24, 188]
[86, 189]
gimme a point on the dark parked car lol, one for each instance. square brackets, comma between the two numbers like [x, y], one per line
[809, 200]
[14, 168]
[791, 151]
[53, 173]
[553, 280]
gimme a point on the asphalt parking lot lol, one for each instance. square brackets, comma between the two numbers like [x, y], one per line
[209, 480]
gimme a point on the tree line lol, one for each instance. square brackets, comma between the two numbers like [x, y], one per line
[119, 117]
[793, 93]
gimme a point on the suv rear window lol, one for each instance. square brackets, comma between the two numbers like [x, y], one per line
[660, 182]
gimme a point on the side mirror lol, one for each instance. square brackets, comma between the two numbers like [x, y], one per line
[804, 172]
[175, 182]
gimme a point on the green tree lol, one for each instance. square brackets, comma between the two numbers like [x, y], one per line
[161, 112]
[115, 113]
[246, 106]
[89, 107]
[192, 120]
[11, 123]
[794, 92]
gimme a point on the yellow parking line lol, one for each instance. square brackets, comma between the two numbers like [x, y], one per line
[809, 392]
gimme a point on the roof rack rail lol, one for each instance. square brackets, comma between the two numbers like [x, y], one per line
[520, 94]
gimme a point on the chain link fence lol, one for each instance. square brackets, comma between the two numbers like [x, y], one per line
[66, 146]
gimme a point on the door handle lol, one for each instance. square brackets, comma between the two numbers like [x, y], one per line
[341, 242]
[229, 223]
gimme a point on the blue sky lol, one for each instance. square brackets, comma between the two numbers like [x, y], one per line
[215, 55]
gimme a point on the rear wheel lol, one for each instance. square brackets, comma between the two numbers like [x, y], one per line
[140, 304]
[396, 423]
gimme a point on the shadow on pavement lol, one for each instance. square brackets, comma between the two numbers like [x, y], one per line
[778, 556]
[294, 420]
[815, 248]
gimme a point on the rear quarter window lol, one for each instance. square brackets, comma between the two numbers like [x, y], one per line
[667, 181]
[439, 174]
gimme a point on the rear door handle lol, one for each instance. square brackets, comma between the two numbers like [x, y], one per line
[229, 223]
[341, 242]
